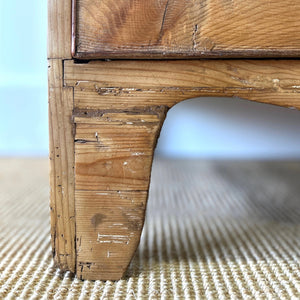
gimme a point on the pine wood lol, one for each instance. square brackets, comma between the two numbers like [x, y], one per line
[113, 151]
[140, 84]
[113, 158]
[109, 223]
[185, 28]
[105, 116]
[61, 154]
[59, 28]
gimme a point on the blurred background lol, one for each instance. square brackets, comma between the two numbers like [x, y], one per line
[210, 128]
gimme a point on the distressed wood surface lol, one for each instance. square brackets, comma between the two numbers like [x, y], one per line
[114, 151]
[109, 224]
[119, 107]
[184, 28]
[61, 154]
[138, 84]
[59, 28]
[113, 159]
[104, 118]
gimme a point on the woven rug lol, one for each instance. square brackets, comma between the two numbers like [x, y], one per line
[214, 230]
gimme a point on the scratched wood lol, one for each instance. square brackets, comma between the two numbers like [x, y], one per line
[61, 154]
[184, 28]
[109, 224]
[105, 116]
[139, 84]
[119, 107]
[113, 158]
[115, 154]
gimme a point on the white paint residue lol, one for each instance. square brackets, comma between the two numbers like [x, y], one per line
[137, 153]
[113, 238]
[80, 81]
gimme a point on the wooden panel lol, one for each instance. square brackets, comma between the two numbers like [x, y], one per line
[61, 168]
[138, 84]
[59, 28]
[185, 28]
[108, 231]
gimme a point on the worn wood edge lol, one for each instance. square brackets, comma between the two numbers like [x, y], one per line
[61, 156]
[203, 54]
[74, 26]
[59, 29]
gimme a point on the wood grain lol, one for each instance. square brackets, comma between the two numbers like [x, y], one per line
[139, 84]
[61, 154]
[109, 225]
[114, 155]
[113, 159]
[59, 28]
[119, 107]
[184, 28]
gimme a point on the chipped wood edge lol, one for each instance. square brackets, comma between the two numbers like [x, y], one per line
[206, 54]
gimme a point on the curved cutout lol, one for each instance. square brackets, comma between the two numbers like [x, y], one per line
[229, 128]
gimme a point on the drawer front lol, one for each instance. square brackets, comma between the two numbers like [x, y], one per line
[185, 28]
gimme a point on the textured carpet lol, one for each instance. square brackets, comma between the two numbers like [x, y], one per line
[214, 230]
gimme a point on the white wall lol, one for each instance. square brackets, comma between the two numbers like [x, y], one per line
[208, 128]
[230, 128]
[23, 77]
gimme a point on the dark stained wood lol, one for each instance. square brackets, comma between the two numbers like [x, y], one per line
[185, 28]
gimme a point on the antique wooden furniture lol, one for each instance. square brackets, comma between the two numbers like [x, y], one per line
[105, 113]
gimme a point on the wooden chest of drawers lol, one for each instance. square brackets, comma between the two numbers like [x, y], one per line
[115, 68]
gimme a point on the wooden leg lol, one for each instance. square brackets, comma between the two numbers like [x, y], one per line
[105, 117]
[113, 158]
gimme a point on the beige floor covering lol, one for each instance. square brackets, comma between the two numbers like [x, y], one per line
[214, 230]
